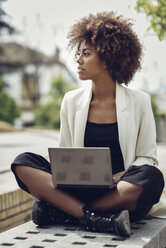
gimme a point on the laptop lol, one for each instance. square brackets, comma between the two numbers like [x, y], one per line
[81, 167]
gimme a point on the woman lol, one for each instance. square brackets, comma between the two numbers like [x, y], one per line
[104, 114]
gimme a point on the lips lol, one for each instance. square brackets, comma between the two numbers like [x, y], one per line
[79, 69]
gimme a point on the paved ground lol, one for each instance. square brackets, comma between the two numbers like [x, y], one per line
[11, 144]
[30, 140]
[38, 141]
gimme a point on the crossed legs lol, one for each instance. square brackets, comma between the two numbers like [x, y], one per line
[39, 184]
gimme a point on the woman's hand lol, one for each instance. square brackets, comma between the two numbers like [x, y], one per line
[117, 176]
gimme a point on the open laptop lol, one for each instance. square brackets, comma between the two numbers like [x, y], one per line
[81, 167]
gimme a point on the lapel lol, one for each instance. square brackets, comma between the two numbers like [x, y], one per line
[122, 117]
[82, 114]
[81, 117]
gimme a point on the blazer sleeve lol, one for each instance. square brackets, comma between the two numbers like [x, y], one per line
[146, 148]
[65, 136]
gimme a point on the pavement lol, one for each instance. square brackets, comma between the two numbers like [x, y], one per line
[37, 141]
[14, 143]
[28, 140]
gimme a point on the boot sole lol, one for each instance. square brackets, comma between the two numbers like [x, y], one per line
[122, 224]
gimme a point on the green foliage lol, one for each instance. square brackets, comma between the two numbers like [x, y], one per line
[154, 107]
[9, 110]
[156, 13]
[4, 26]
[48, 114]
[156, 111]
[59, 86]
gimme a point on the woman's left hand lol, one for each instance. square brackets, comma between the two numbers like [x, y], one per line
[117, 176]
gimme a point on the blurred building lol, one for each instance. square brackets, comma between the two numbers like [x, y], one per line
[28, 74]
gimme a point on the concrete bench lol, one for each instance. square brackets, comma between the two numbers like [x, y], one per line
[148, 233]
[15, 204]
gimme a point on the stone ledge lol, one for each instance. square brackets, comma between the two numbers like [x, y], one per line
[145, 234]
[15, 209]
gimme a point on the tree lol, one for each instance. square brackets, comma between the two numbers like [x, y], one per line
[48, 114]
[4, 26]
[9, 110]
[156, 13]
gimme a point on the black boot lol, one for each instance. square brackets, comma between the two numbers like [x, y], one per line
[45, 214]
[118, 223]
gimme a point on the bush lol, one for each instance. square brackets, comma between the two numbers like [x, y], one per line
[48, 114]
[9, 110]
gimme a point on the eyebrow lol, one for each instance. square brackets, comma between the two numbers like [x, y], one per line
[84, 49]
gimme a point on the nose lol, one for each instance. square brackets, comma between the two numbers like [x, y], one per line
[79, 59]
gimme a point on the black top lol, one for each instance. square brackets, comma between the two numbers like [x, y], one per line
[105, 135]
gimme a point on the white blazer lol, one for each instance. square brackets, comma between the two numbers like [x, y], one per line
[136, 126]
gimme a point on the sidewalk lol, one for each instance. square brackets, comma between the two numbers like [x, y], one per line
[37, 141]
[29, 140]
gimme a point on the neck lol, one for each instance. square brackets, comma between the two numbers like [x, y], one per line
[104, 89]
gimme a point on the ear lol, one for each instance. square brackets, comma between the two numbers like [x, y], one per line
[105, 67]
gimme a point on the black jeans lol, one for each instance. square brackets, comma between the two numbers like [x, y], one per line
[147, 176]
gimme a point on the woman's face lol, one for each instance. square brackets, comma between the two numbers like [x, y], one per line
[90, 66]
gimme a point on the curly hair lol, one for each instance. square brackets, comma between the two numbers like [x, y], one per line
[114, 40]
